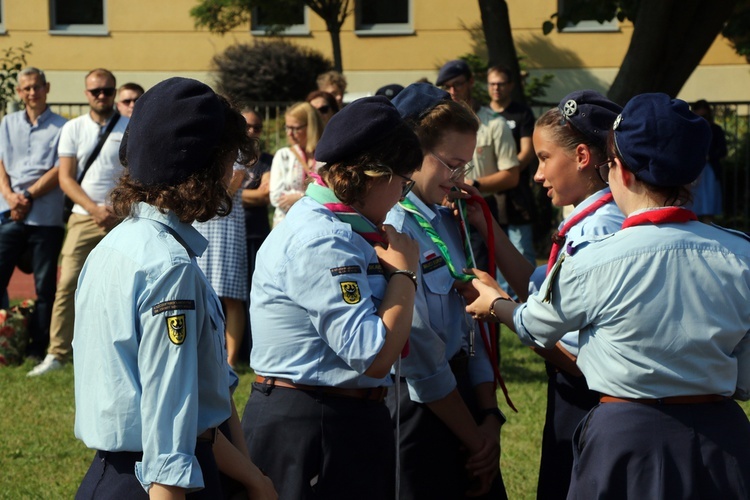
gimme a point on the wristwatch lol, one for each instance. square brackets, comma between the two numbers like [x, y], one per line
[495, 412]
[28, 196]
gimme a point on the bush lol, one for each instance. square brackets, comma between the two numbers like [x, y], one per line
[269, 72]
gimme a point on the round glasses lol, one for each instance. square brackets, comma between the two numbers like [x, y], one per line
[456, 172]
[602, 169]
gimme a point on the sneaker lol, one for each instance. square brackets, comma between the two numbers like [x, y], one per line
[49, 364]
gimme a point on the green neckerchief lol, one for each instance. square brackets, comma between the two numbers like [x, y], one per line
[411, 208]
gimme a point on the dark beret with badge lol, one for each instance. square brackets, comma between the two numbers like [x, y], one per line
[390, 91]
[355, 128]
[661, 141]
[174, 131]
[590, 113]
[451, 70]
[418, 99]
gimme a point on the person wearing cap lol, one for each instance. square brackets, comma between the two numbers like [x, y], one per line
[663, 311]
[450, 422]
[495, 157]
[570, 140]
[152, 383]
[331, 308]
[390, 91]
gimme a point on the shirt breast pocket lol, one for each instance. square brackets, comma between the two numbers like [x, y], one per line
[438, 284]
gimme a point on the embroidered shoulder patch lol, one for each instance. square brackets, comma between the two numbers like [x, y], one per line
[173, 305]
[375, 268]
[431, 265]
[338, 271]
[350, 292]
[176, 328]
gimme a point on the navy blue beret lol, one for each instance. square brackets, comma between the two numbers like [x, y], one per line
[451, 70]
[590, 113]
[661, 140]
[356, 127]
[390, 91]
[419, 98]
[174, 131]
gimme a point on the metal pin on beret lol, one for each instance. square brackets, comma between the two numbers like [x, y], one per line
[390, 91]
[590, 113]
[358, 126]
[661, 140]
[174, 131]
[417, 99]
[452, 69]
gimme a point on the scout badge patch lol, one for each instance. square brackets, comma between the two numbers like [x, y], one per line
[350, 292]
[176, 328]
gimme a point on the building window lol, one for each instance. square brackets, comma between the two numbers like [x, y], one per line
[2, 16]
[78, 16]
[290, 21]
[384, 17]
[588, 25]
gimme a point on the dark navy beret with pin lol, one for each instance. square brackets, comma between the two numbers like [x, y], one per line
[661, 140]
[356, 127]
[174, 131]
[451, 70]
[417, 99]
[390, 91]
[590, 113]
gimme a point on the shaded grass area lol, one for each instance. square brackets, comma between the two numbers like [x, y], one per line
[41, 458]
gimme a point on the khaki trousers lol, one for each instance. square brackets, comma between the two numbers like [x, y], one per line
[83, 236]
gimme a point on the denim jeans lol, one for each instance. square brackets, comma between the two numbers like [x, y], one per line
[44, 244]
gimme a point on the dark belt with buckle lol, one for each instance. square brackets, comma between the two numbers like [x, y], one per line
[369, 394]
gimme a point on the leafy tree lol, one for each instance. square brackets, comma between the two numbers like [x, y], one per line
[670, 37]
[13, 60]
[269, 71]
[220, 16]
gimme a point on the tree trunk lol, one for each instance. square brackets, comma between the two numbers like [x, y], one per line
[335, 33]
[670, 37]
[500, 47]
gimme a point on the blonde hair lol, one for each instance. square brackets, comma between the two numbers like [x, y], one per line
[307, 115]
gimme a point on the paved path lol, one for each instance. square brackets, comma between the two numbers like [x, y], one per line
[21, 286]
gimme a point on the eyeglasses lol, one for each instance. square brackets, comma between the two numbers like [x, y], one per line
[255, 128]
[324, 110]
[29, 88]
[454, 85]
[107, 91]
[456, 172]
[497, 84]
[128, 102]
[406, 188]
[603, 169]
[294, 130]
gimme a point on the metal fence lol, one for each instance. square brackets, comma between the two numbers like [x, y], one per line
[733, 117]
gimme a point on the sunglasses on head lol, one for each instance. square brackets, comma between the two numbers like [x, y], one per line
[107, 91]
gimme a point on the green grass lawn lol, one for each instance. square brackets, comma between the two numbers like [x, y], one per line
[40, 457]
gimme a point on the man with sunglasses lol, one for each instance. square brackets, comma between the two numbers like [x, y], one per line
[92, 216]
[31, 200]
[127, 94]
[495, 157]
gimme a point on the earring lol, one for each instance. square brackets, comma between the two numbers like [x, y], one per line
[580, 168]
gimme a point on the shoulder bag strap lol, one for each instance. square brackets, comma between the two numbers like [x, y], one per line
[102, 139]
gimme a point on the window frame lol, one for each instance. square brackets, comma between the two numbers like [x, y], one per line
[383, 29]
[589, 25]
[77, 29]
[258, 30]
[2, 17]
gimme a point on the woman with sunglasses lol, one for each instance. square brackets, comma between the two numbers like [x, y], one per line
[292, 165]
[663, 311]
[325, 103]
[447, 408]
[570, 141]
[331, 306]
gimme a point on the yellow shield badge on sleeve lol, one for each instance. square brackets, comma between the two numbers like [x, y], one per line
[176, 328]
[350, 292]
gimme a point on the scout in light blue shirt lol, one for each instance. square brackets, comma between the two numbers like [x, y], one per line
[28, 151]
[441, 328]
[323, 329]
[163, 324]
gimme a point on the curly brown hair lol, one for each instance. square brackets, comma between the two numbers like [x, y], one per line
[203, 194]
[398, 152]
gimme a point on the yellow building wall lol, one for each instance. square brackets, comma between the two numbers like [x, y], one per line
[149, 40]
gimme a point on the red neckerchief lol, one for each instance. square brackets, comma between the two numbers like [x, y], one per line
[660, 216]
[558, 239]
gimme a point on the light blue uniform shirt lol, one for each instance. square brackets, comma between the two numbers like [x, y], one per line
[150, 364]
[28, 152]
[316, 289]
[605, 220]
[440, 326]
[662, 311]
